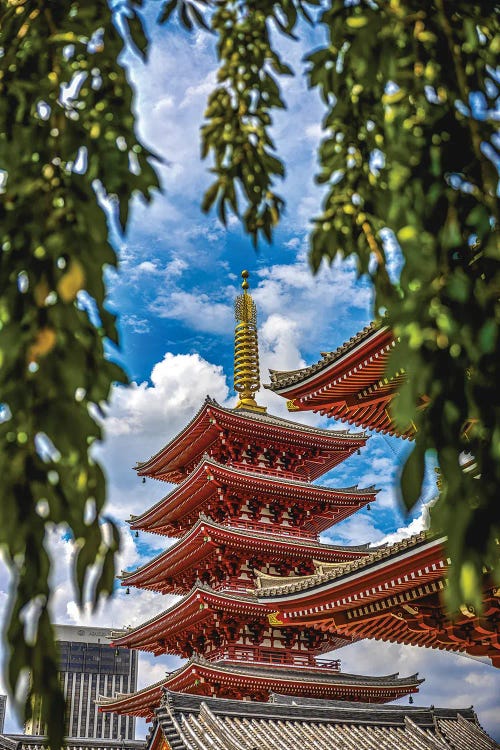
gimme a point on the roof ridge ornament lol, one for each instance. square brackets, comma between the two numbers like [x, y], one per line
[246, 350]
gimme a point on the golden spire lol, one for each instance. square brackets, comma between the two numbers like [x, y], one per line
[246, 350]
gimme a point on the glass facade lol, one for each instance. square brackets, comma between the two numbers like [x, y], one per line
[93, 658]
[3, 711]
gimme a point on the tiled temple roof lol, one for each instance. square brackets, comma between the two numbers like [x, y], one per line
[255, 475]
[7, 743]
[276, 586]
[282, 378]
[286, 423]
[232, 600]
[257, 674]
[253, 416]
[271, 419]
[305, 675]
[273, 538]
[103, 700]
[190, 722]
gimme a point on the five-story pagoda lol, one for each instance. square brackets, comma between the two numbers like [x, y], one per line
[245, 507]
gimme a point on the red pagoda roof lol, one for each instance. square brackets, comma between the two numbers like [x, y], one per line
[194, 608]
[142, 703]
[198, 675]
[349, 384]
[164, 573]
[393, 594]
[387, 569]
[181, 507]
[373, 339]
[214, 423]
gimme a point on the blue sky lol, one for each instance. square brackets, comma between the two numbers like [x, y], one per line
[174, 293]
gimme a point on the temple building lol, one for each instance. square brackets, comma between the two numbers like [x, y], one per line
[263, 599]
[393, 594]
[244, 510]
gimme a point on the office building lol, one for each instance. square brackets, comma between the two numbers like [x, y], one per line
[90, 667]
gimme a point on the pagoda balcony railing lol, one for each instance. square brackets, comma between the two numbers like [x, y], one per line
[264, 657]
[277, 530]
[329, 664]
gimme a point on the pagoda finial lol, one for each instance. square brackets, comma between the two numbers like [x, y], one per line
[246, 350]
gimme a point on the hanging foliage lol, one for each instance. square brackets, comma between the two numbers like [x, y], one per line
[67, 145]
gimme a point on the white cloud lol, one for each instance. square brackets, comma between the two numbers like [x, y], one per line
[135, 323]
[279, 343]
[178, 385]
[358, 529]
[171, 97]
[314, 132]
[142, 417]
[451, 680]
[175, 268]
[147, 267]
[312, 302]
[172, 91]
[166, 103]
[418, 524]
[110, 612]
[199, 91]
[194, 310]
[232, 221]
[117, 612]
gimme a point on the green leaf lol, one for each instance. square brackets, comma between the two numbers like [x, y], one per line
[184, 17]
[488, 336]
[412, 476]
[210, 196]
[198, 17]
[167, 11]
[138, 35]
